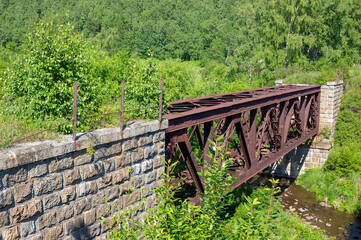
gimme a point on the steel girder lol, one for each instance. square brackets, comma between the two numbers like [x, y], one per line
[259, 127]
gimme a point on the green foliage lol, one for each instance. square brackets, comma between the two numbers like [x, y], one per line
[319, 77]
[345, 159]
[256, 36]
[342, 191]
[41, 83]
[176, 219]
[338, 183]
[261, 216]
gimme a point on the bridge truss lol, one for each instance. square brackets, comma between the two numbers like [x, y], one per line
[259, 127]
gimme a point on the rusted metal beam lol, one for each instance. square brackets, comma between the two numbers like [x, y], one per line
[268, 123]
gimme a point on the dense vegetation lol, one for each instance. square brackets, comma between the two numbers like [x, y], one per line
[259, 214]
[339, 182]
[256, 35]
[197, 47]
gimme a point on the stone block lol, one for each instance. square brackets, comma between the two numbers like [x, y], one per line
[137, 181]
[68, 194]
[89, 171]
[309, 165]
[54, 232]
[6, 198]
[98, 199]
[61, 163]
[38, 170]
[103, 210]
[81, 158]
[22, 192]
[15, 176]
[147, 165]
[109, 164]
[151, 177]
[159, 137]
[110, 193]
[129, 144]
[126, 159]
[27, 228]
[147, 152]
[90, 217]
[118, 162]
[157, 162]
[104, 181]
[113, 148]
[136, 169]
[137, 156]
[100, 152]
[73, 224]
[4, 219]
[51, 201]
[71, 176]
[10, 233]
[145, 140]
[38, 236]
[147, 191]
[46, 220]
[118, 176]
[26, 211]
[94, 230]
[65, 212]
[82, 205]
[86, 188]
[49, 184]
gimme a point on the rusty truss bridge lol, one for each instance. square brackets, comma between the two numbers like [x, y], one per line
[259, 126]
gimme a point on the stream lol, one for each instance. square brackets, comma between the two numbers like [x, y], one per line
[318, 214]
[295, 198]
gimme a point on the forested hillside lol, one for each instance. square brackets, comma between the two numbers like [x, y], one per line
[254, 35]
[198, 47]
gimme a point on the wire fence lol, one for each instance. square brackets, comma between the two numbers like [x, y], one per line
[121, 112]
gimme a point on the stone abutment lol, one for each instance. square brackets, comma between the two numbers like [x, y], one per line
[52, 190]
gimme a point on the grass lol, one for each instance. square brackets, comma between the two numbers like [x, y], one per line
[339, 182]
[341, 191]
[321, 77]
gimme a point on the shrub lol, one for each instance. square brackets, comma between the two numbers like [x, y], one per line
[261, 216]
[41, 83]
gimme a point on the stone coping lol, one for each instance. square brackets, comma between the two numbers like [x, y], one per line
[323, 144]
[27, 153]
[330, 83]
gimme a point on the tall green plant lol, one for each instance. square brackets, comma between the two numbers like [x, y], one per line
[41, 83]
[176, 219]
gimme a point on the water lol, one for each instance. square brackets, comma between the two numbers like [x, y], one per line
[317, 214]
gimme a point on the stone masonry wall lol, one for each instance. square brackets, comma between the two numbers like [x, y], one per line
[300, 159]
[315, 155]
[50, 190]
[331, 95]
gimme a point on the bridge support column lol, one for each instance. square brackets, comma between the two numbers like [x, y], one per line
[315, 154]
